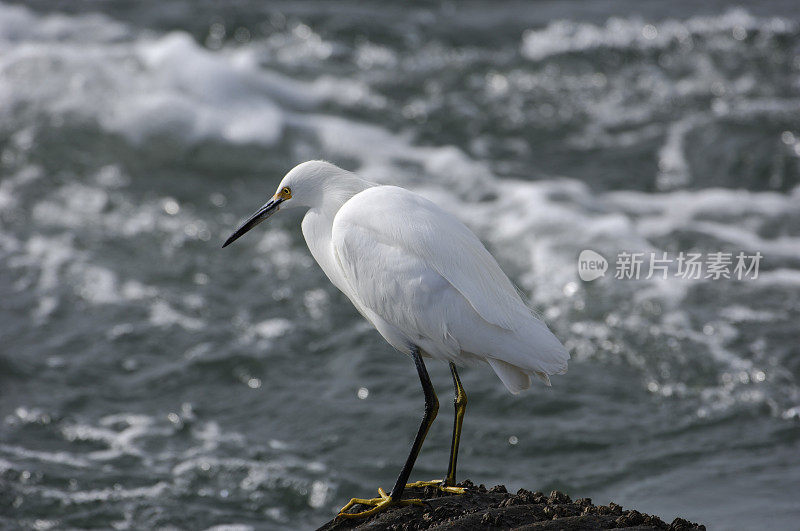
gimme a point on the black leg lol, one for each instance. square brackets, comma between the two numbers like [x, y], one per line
[431, 408]
[460, 402]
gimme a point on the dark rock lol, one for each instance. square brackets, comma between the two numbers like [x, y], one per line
[614, 508]
[496, 508]
[558, 497]
[679, 524]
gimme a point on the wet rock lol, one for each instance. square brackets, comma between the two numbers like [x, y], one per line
[679, 524]
[558, 497]
[496, 508]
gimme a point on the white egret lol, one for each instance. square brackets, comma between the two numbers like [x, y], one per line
[425, 282]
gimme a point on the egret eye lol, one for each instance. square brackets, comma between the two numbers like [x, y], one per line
[286, 193]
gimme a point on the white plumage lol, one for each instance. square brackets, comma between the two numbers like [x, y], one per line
[418, 274]
[426, 280]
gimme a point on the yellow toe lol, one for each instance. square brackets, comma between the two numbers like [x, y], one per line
[378, 504]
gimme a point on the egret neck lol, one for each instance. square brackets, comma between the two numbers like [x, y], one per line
[317, 225]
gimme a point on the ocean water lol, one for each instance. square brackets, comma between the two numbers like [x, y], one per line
[149, 378]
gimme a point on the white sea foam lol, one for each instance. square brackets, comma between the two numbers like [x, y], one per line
[56, 263]
[108, 494]
[725, 30]
[139, 84]
[61, 458]
[162, 314]
[272, 328]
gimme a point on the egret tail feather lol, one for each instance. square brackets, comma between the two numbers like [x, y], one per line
[512, 377]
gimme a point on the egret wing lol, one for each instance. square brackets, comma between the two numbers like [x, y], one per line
[392, 217]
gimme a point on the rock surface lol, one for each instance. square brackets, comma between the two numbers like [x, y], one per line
[496, 508]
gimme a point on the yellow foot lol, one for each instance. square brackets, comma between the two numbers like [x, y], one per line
[378, 504]
[439, 484]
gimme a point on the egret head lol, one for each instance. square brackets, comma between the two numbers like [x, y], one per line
[309, 185]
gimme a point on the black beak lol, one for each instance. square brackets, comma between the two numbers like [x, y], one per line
[260, 215]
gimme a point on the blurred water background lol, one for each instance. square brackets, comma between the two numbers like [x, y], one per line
[148, 378]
